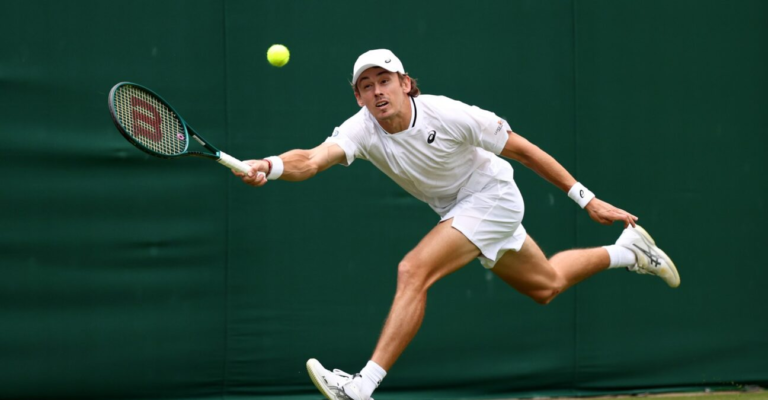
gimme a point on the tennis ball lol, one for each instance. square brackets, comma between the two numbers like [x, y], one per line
[278, 55]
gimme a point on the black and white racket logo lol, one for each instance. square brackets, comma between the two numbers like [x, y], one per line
[431, 137]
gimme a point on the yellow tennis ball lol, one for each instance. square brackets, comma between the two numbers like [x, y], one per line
[278, 55]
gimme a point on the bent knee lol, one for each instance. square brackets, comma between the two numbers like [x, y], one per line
[544, 297]
[545, 293]
[410, 276]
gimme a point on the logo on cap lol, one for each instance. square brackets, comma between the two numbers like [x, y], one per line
[388, 60]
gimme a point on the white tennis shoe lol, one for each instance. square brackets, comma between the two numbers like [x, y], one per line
[334, 385]
[650, 259]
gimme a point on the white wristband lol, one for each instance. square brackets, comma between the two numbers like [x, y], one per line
[277, 167]
[580, 194]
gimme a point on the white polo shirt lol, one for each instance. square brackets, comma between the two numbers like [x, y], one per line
[446, 143]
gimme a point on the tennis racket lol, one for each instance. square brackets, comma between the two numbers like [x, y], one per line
[152, 125]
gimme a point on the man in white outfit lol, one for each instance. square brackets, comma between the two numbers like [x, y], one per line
[445, 153]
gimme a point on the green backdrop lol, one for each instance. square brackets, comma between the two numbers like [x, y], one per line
[126, 276]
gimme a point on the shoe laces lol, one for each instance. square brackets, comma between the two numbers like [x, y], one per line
[342, 374]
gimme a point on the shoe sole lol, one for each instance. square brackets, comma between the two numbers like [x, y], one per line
[312, 364]
[666, 257]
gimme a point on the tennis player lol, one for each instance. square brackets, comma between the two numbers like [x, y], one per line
[446, 153]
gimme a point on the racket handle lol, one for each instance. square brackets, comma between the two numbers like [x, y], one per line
[233, 163]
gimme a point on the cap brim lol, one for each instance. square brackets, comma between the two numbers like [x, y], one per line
[365, 67]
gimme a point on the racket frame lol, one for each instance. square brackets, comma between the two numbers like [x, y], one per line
[215, 154]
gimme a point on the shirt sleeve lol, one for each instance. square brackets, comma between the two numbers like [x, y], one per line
[350, 136]
[479, 127]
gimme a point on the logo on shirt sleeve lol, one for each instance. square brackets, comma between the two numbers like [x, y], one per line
[498, 128]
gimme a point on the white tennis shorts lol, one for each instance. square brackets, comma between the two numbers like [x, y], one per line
[489, 212]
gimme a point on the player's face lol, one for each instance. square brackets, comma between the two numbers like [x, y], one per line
[383, 93]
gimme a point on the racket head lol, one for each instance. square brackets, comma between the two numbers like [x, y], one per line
[147, 121]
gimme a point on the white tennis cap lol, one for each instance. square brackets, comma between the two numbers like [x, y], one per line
[376, 58]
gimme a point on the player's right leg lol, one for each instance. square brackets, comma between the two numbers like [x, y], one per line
[335, 384]
[442, 251]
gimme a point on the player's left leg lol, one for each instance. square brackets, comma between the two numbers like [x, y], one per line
[651, 259]
[529, 271]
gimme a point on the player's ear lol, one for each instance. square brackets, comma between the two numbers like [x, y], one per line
[405, 82]
[359, 100]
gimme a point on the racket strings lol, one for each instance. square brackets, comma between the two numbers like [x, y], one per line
[149, 121]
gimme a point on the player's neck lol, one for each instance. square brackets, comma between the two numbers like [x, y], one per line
[400, 121]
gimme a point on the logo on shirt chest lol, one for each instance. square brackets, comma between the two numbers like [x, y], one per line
[431, 137]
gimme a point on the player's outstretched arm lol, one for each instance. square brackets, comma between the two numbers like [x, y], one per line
[297, 165]
[520, 149]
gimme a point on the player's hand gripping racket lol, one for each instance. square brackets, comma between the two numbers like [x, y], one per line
[152, 125]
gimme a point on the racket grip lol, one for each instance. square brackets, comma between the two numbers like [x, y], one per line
[233, 163]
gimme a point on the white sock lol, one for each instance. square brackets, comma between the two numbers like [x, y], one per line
[620, 256]
[370, 378]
